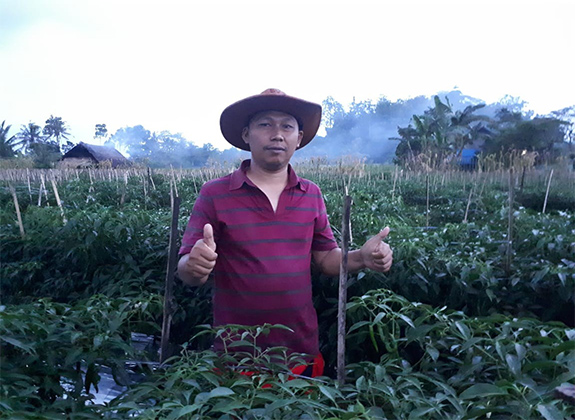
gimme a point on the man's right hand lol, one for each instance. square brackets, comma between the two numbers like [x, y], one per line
[195, 267]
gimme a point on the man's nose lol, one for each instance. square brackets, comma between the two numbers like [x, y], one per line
[277, 135]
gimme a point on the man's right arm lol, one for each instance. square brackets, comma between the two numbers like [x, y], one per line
[194, 268]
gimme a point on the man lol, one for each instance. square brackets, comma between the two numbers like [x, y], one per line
[259, 228]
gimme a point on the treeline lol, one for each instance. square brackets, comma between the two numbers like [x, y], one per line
[422, 132]
[434, 132]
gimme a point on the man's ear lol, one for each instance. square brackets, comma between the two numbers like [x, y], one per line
[299, 138]
[245, 133]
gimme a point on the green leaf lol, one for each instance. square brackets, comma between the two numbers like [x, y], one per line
[358, 325]
[220, 391]
[539, 275]
[550, 412]
[331, 393]
[463, 329]
[513, 363]
[407, 320]
[17, 343]
[228, 406]
[182, 411]
[565, 346]
[481, 390]
[379, 317]
[433, 352]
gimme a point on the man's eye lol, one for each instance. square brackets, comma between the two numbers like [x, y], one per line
[263, 124]
[288, 126]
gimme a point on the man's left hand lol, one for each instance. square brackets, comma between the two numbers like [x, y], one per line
[376, 254]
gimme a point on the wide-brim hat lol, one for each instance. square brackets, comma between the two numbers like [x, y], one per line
[237, 116]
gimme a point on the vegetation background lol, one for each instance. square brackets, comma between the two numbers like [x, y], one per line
[476, 319]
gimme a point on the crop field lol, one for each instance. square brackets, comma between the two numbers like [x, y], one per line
[475, 320]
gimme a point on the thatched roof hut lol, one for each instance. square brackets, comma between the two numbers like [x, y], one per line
[83, 155]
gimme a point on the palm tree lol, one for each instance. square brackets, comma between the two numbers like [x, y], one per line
[29, 135]
[56, 129]
[6, 143]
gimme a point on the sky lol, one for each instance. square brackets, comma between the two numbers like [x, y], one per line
[175, 65]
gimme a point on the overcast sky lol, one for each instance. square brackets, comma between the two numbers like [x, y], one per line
[175, 65]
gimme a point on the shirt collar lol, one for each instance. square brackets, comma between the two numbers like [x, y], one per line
[239, 177]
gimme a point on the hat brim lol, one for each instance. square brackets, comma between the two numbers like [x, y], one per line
[237, 116]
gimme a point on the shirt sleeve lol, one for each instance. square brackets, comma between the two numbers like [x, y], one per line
[323, 239]
[203, 212]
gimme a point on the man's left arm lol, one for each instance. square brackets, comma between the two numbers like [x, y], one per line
[374, 254]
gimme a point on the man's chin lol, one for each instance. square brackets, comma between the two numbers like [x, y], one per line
[274, 166]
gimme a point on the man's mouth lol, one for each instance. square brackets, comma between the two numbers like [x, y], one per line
[275, 149]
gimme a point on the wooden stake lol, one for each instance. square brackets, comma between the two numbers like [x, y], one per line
[29, 187]
[125, 187]
[343, 290]
[58, 200]
[509, 251]
[18, 214]
[547, 192]
[427, 202]
[169, 304]
[522, 180]
[468, 203]
[394, 182]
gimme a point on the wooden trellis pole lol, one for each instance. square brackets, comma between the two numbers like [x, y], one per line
[58, 201]
[547, 192]
[170, 274]
[343, 289]
[18, 214]
[509, 250]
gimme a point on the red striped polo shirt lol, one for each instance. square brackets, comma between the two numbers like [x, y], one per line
[262, 274]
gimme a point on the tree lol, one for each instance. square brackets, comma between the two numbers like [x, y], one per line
[55, 129]
[6, 143]
[45, 154]
[536, 135]
[332, 111]
[441, 134]
[101, 131]
[567, 115]
[134, 141]
[29, 135]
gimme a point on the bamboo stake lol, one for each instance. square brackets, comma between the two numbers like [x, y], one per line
[427, 202]
[18, 214]
[394, 182]
[58, 200]
[169, 304]
[174, 181]
[509, 251]
[343, 290]
[468, 203]
[522, 180]
[547, 192]
[124, 188]
[29, 187]
[43, 190]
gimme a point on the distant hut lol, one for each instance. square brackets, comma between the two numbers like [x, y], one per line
[84, 155]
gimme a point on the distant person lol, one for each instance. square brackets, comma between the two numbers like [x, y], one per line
[259, 228]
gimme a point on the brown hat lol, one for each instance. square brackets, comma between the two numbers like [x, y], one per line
[237, 116]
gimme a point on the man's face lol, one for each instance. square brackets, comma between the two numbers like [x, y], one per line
[273, 137]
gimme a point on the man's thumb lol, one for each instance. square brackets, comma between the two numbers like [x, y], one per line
[383, 233]
[209, 236]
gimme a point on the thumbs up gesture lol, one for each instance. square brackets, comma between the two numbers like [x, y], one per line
[376, 254]
[202, 258]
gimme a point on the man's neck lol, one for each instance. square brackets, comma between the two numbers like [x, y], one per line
[261, 176]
